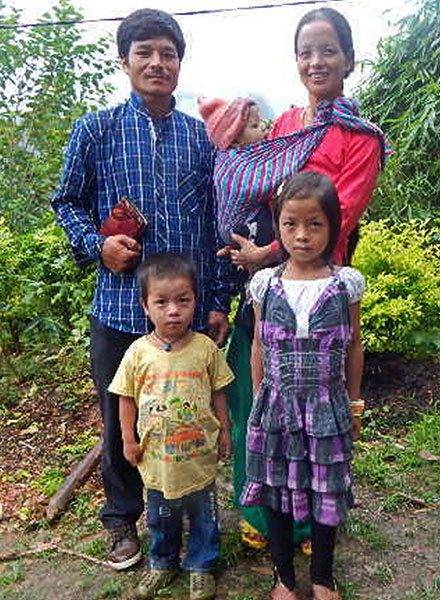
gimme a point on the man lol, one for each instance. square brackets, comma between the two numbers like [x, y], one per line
[162, 161]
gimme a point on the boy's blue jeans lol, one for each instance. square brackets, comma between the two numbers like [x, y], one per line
[165, 519]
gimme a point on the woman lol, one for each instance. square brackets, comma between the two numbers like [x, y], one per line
[350, 153]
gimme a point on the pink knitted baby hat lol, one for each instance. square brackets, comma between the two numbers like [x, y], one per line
[224, 121]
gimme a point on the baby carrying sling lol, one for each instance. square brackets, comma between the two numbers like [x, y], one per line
[246, 178]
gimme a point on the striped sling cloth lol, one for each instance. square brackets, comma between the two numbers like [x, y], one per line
[245, 178]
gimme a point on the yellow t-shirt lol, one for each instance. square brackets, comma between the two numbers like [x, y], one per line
[176, 425]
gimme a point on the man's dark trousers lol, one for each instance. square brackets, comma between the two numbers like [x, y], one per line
[122, 482]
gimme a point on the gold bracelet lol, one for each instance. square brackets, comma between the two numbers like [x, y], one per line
[357, 407]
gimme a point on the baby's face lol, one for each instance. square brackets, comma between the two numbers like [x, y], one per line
[254, 130]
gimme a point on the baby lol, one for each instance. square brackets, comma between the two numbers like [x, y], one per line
[236, 128]
[232, 124]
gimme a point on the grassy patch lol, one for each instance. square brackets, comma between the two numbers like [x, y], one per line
[231, 549]
[31, 372]
[49, 481]
[426, 591]
[96, 548]
[349, 590]
[14, 574]
[112, 589]
[405, 465]
[361, 529]
[82, 444]
[82, 517]
[382, 573]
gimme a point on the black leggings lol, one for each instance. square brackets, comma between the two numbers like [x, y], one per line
[281, 549]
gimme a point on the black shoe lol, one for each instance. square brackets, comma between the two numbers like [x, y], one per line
[124, 547]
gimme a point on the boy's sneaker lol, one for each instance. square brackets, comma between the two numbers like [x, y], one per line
[154, 581]
[124, 547]
[202, 586]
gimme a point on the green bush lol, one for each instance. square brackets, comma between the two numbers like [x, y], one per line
[43, 295]
[401, 307]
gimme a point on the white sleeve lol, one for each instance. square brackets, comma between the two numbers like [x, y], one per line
[259, 284]
[354, 282]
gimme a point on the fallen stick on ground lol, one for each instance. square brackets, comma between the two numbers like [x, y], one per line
[7, 556]
[81, 473]
[418, 501]
[51, 546]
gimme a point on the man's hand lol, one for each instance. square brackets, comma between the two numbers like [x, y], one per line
[356, 429]
[224, 444]
[120, 253]
[132, 453]
[218, 327]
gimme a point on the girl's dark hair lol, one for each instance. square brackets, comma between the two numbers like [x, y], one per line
[339, 24]
[145, 24]
[163, 266]
[309, 184]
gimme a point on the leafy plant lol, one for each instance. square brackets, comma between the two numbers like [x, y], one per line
[402, 95]
[49, 77]
[49, 481]
[402, 302]
[81, 445]
[43, 295]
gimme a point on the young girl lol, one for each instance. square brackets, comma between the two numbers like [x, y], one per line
[307, 362]
[170, 384]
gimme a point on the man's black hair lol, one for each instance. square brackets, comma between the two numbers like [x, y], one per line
[145, 24]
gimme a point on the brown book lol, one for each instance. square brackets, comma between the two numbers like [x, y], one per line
[125, 218]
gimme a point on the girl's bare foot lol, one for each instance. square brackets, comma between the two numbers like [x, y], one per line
[280, 592]
[321, 592]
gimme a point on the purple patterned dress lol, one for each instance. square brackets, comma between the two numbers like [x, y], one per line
[299, 444]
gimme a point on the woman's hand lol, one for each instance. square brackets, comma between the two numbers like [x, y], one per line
[249, 256]
[356, 429]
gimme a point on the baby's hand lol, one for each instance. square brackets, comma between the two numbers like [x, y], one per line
[224, 444]
[132, 453]
[356, 428]
[224, 252]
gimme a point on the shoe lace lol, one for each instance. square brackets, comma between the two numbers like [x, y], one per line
[199, 582]
[126, 531]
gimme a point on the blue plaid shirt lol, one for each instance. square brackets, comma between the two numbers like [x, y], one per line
[164, 166]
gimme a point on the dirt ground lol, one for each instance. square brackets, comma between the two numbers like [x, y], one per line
[380, 555]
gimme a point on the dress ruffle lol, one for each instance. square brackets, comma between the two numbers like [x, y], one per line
[326, 508]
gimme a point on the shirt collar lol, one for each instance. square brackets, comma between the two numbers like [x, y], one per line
[138, 104]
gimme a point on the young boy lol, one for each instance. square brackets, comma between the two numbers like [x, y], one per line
[173, 413]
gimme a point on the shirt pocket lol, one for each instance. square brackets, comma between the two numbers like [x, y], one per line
[192, 193]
